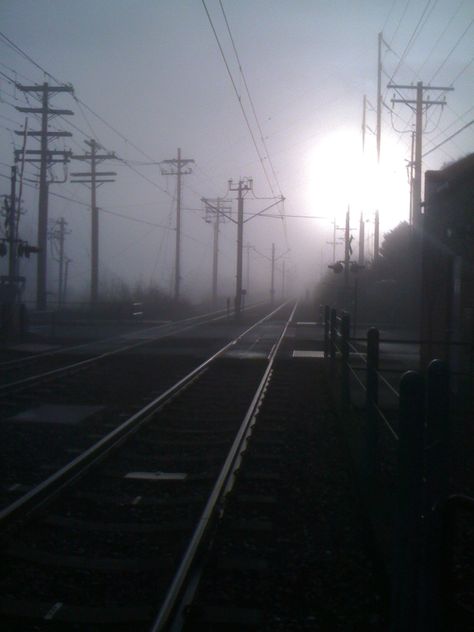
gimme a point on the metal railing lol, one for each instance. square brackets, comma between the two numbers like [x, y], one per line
[416, 515]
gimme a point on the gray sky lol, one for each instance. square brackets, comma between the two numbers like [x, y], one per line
[153, 70]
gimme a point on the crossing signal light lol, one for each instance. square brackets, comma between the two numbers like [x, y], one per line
[337, 267]
[25, 250]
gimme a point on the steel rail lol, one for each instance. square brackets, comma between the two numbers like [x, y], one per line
[228, 470]
[50, 487]
[96, 358]
[223, 314]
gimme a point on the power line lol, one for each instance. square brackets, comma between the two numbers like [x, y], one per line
[441, 35]
[419, 26]
[458, 41]
[20, 51]
[449, 138]
[262, 138]
[239, 98]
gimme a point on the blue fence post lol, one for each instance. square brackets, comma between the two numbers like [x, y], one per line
[371, 401]
[436, 490]
[345, 379]
[407, 536]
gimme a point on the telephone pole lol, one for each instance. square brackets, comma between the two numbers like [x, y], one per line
[45, 159]
[361, 240]
[94, 178]
[177, 167]
[59, 233]
[379, 95]
[376, 235]
[220, 210]
[419, 102]
[242, 188]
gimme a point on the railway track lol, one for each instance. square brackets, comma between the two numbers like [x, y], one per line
[97, 545]
[59, 403]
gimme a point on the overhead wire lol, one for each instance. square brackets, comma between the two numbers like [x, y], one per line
[262, 138]
[458, 41]
[239, 98]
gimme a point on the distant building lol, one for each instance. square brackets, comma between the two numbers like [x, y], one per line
[447, 315]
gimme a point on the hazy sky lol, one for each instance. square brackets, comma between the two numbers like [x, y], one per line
[152, 69]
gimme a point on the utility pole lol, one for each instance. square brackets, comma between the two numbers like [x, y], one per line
[221, 211]
[177, 167]
[59, 233]
[45, 160]
[379, 95]
[94, 178]
[242, 188]
[361, 240]
[334, 241]
[347, 248]
[419, 104]
[376, 235]
[411, 174]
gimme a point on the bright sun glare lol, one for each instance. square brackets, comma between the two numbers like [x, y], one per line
[342, 175]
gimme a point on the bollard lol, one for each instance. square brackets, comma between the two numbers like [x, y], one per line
[436, 490]
[345, 380]
[371, 401]
[327, 316]
[407, 536]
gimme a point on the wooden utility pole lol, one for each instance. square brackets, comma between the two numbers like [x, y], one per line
[45, 159]
[220, 210]
[94, 178]
[376, 236]
[242, 188]
[177, 167]
[59, 233]
[361, 240]
[419, 104]
[347, 248]
[379, 95]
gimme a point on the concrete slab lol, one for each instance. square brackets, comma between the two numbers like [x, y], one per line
[157, 476]
[56, 414]
[308, 354]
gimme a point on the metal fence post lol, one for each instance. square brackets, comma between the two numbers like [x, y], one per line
[436, 475]
[345, 379]
[327, 316]
[371, 401]
[407, 537]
